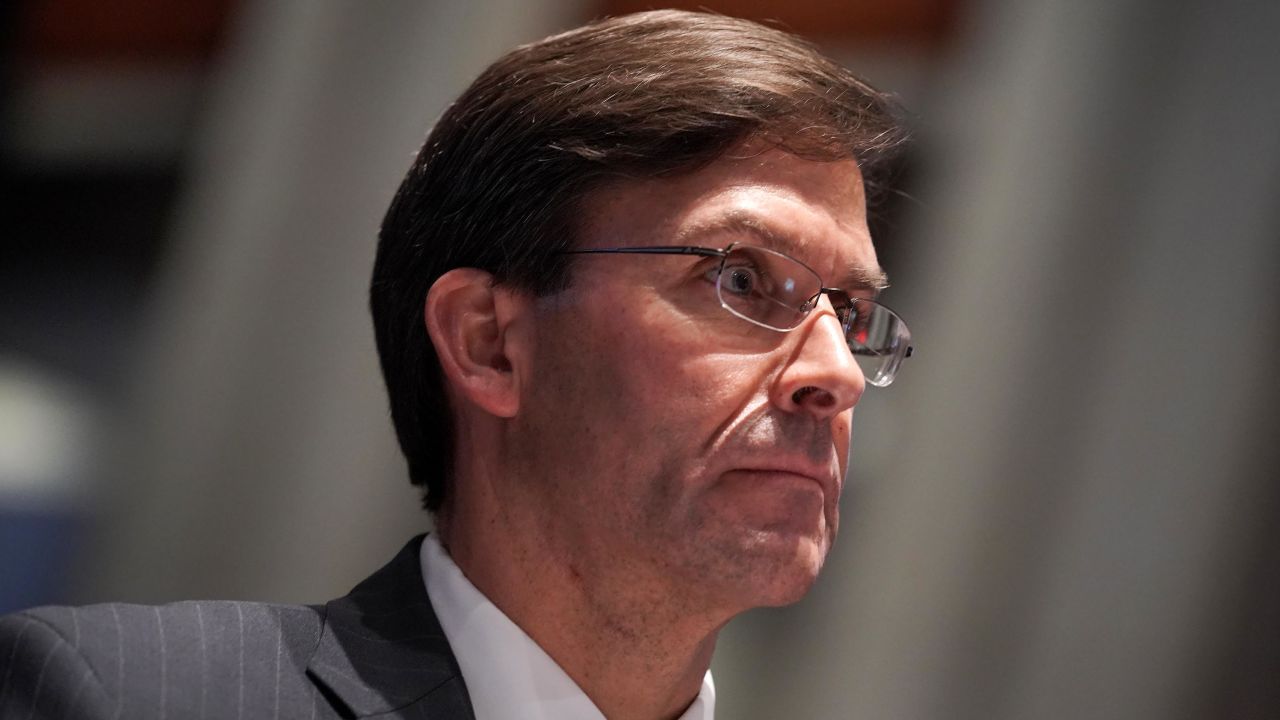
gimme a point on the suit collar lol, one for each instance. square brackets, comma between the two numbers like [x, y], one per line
[382, 648]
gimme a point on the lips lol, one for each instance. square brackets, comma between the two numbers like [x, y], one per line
[822, 475]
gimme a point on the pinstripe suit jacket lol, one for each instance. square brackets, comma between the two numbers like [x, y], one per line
[378, 652]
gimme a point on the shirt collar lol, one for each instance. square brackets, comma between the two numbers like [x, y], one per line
[508, 676]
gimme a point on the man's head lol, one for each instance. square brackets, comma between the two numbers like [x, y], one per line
[656, 428]
[511, 175]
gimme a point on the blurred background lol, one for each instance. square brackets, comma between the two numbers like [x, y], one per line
[1067, 507]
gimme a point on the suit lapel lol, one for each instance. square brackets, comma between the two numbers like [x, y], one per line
[382, 648]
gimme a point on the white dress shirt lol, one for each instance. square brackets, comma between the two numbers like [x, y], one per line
[507, 675]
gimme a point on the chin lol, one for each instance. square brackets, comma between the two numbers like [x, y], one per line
[751, 555]
[786, 569]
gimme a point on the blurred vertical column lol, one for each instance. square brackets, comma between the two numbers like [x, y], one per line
[49, 442]
[94, 104]
[261, 461]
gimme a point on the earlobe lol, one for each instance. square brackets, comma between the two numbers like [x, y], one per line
[468, 319]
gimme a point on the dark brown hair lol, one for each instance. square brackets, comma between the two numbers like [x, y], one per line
[502, 177]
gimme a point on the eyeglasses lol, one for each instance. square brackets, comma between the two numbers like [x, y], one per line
[776, 291]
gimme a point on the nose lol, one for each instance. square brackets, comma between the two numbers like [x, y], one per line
[821, 376]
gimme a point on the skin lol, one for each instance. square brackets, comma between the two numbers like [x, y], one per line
[636, 465]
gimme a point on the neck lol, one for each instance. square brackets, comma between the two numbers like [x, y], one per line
[634, 643]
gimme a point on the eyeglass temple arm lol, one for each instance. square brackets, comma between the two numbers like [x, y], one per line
[651, 250]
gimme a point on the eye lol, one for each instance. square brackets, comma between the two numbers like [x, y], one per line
[740, 280]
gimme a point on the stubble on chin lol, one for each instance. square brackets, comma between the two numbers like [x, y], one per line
[726, 563]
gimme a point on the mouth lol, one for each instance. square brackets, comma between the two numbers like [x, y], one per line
[795, 472]
[783, 502]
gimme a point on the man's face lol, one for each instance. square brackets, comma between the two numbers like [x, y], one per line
[668, 439]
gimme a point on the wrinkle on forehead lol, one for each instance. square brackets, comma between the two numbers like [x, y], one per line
[814, 210]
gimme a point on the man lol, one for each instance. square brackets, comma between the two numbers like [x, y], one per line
[623, 303]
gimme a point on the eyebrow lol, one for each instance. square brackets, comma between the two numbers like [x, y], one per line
[854, 277]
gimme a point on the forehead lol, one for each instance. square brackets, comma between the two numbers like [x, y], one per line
[812, 210]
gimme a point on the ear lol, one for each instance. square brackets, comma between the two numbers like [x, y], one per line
[468, 319]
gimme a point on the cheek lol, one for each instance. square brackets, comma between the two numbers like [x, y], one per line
[704, 393]
[663, 362]
[647, 384]
[610, 385]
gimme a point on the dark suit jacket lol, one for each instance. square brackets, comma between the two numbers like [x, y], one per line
[378, 652]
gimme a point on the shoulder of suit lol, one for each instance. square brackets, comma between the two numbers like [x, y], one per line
[81, 657]
[176, 623]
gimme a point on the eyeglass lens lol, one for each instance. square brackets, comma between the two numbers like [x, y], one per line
[774, 290]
